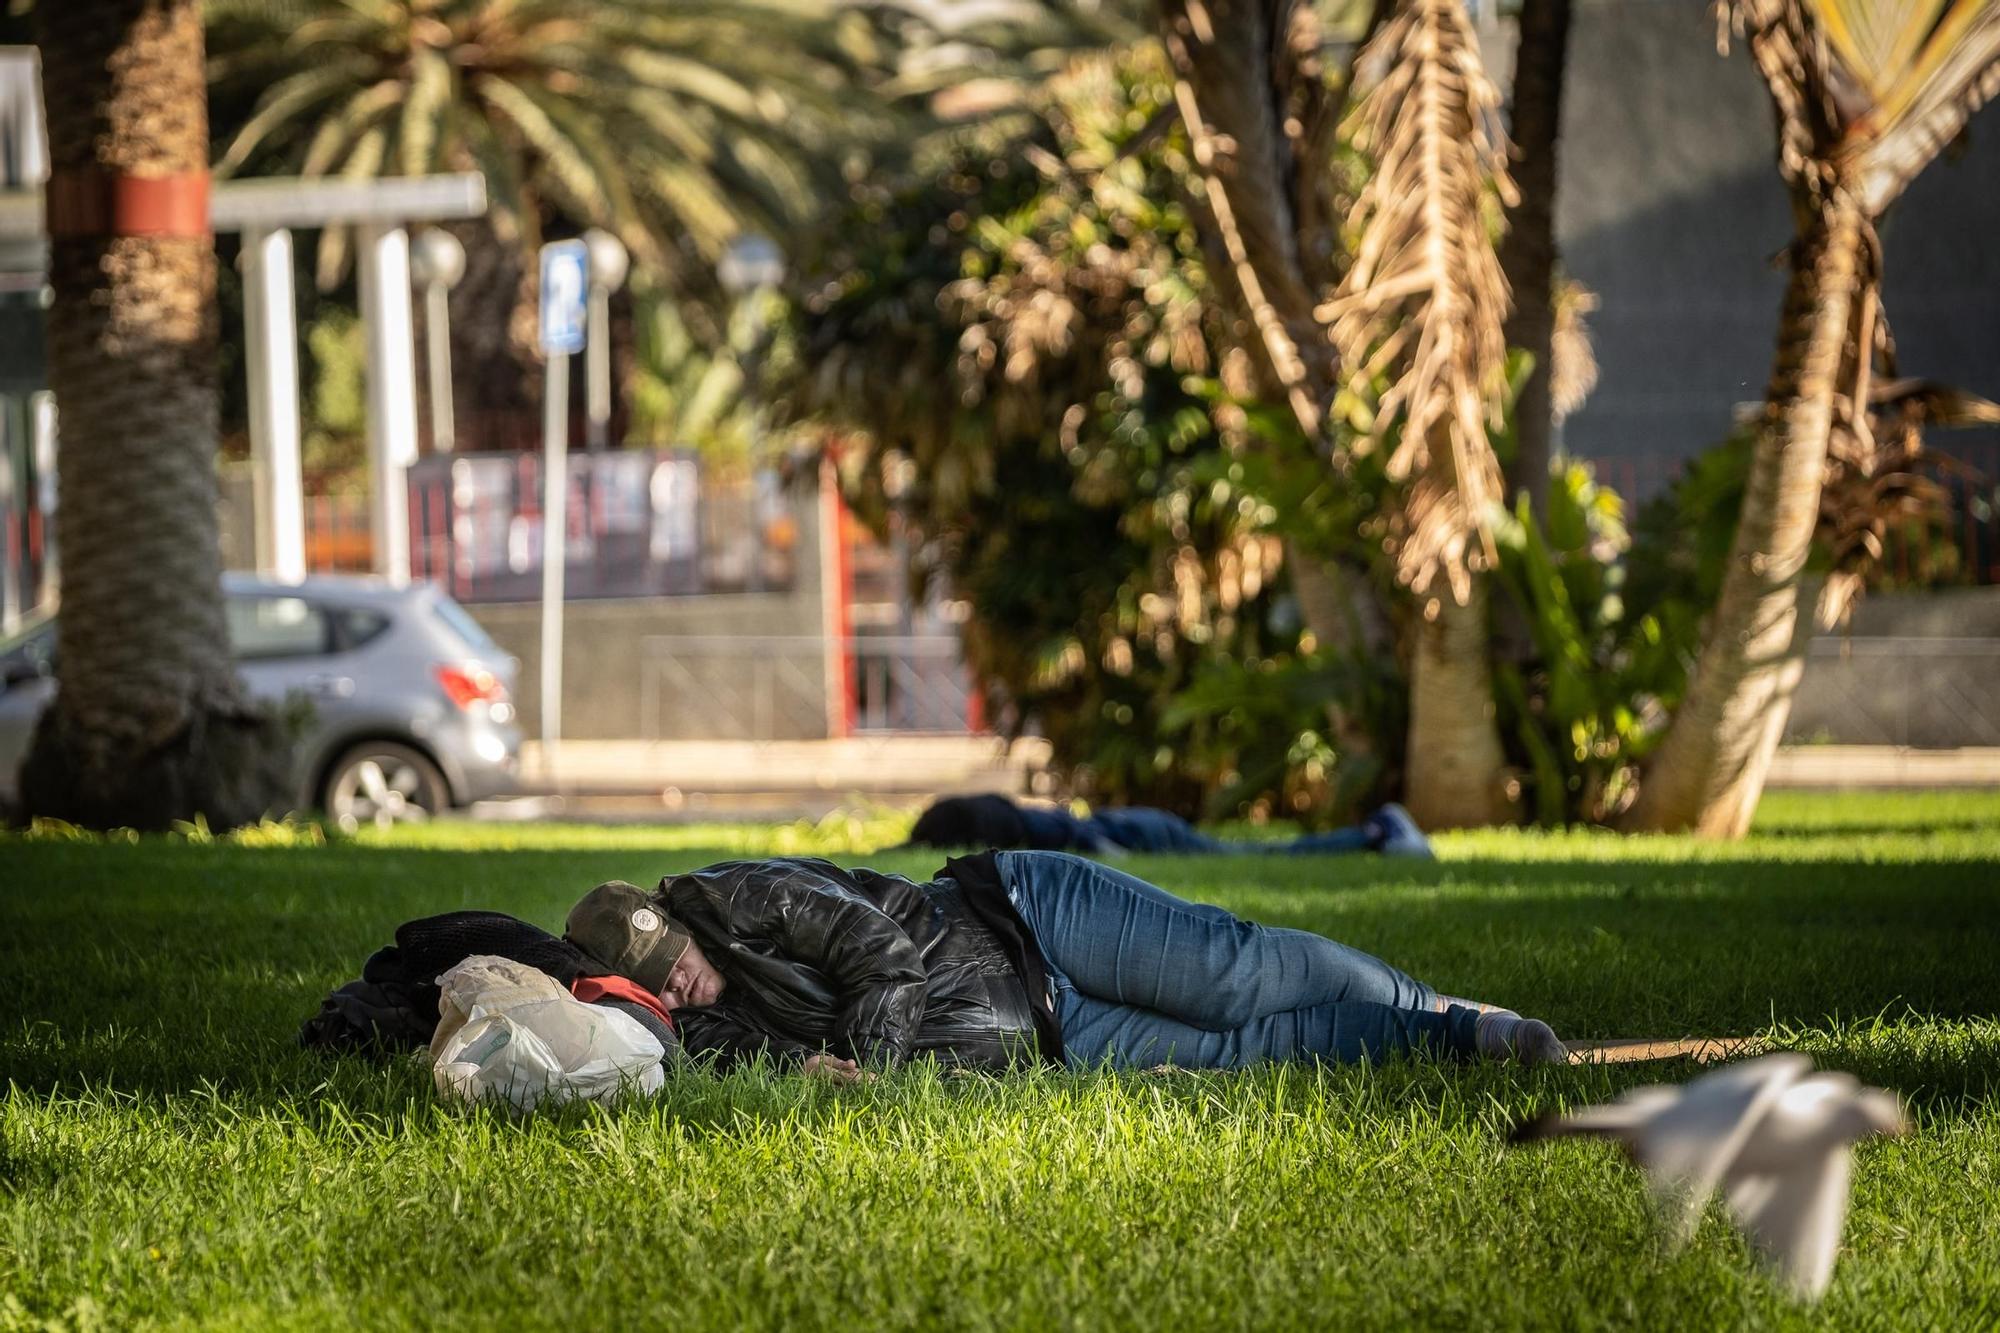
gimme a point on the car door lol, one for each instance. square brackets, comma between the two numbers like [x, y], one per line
[289, 654]
[27, 683]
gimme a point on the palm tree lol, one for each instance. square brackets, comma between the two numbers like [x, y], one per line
[677, 127]
[1866, 93]
[1414, 326]
[1262, 120]
[149, 723]
[1421, 307]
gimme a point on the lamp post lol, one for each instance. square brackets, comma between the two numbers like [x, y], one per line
[608, 266]
[437, 262]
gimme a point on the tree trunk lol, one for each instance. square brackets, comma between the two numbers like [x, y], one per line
[1528, 250]
[1344, 615]
[1710, 770]
[496, 376]
[1238, 115]
[1455, 771]
[149, 723]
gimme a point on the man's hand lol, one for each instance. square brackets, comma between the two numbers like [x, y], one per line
[837, 1069]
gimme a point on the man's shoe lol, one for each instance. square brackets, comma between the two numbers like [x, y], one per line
[1399, 833]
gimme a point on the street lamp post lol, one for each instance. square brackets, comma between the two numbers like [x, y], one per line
[437, 262]
[608, 266]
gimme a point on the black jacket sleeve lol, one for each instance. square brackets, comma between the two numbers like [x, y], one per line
[732, 1041]
[813, 914]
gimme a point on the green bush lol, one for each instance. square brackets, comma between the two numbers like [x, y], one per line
[1025, 345]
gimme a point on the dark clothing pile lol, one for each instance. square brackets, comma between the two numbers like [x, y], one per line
[394, 1005]
[994, 821]
[868, 966]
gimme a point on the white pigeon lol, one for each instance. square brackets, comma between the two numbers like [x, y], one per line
[1772, 1134]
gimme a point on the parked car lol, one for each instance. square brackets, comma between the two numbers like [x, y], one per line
[411, 710]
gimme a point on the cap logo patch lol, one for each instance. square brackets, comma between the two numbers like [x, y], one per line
[645, 921]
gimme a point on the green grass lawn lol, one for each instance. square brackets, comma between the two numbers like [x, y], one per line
[167, 1156]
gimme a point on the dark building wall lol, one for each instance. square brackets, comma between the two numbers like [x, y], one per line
[1671, 209]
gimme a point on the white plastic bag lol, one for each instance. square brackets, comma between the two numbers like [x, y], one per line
[507, 1030]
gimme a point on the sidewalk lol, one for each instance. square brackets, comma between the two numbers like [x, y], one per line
[1833, 766]
[774, 779]
[782, 780]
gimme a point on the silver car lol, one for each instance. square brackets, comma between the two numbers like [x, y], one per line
[411, 700]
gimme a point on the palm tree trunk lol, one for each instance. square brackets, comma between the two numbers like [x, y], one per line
[1455, 769]
[1225, 55]
[1340, 608]
[494, 370]
[149, 723]
[1528, 250]
[1710, 770]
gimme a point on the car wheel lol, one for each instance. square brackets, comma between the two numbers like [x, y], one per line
[383, 784]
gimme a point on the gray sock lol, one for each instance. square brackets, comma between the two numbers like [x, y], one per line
[1505, 1035]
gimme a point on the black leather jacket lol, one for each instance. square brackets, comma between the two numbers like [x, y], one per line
[868, 966]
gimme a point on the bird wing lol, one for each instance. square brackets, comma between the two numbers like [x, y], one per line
[1610, 1119]
[1794, 1217]
[1688, 1147]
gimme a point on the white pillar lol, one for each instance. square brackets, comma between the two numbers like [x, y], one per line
[271, 353]
[597, 364]
[392, 392]
[555, 550]
[437, 360]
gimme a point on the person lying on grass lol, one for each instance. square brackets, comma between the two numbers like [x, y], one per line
[1006, 957]
[993, 820]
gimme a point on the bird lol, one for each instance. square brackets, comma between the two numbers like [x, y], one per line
[1771, 1134]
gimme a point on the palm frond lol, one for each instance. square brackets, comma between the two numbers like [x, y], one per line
[1933, 92]
[283, 104]
[1880, 476]
[363, 163]
[330, 142]
[1423, 301]
[424, 110]
[1573, 368]
[565, 168]
[1869, 91]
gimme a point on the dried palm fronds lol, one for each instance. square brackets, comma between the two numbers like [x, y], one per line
[1572, 360]
[1424, 298]
[1881, 475]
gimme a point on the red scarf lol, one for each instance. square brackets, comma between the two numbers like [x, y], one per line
[592, 989]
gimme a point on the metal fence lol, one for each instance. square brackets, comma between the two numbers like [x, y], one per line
[777, 687]
[639, 523]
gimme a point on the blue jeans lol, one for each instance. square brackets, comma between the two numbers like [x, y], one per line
[1143, 829]
[1140, 977]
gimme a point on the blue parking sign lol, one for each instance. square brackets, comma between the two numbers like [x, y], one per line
[565, 283]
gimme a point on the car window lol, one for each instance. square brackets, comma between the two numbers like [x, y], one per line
[31, 652]
[460, 622]
[354, 626]
[263, 627]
